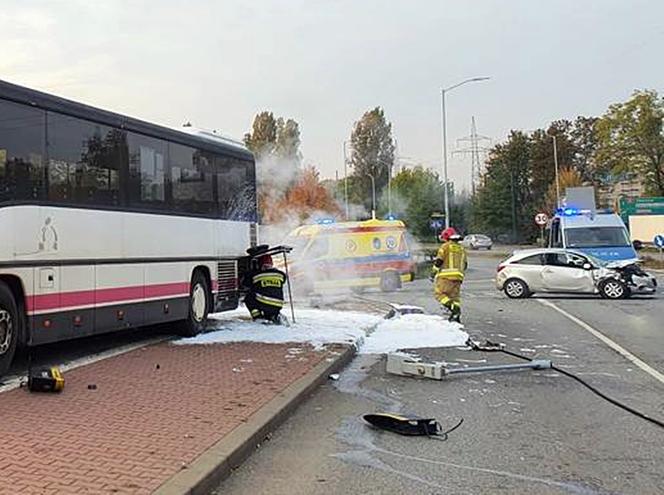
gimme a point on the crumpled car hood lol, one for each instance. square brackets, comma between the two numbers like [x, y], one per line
[620, 263]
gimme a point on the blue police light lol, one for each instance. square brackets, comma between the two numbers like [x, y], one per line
[568, 212]
[325, 221]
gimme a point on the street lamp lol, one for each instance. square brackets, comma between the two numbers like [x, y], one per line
[443, 91]
[555, 162]
[373, 196]
[346, 181]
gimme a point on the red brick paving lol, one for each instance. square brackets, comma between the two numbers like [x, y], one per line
[154, 411]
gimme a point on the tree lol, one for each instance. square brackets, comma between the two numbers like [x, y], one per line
[276, 145]
[568, 177]
[372, 152]
[287, 142]
[262, 139]
[307, 197]
[416, 194]
[583, 135]
[504, 201]
[630, 139]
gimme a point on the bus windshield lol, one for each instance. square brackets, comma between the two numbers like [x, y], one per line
[586, 237]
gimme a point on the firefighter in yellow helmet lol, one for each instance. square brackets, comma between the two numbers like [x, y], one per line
[448, 271]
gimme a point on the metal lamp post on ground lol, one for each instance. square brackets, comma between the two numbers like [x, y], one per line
[443, 91]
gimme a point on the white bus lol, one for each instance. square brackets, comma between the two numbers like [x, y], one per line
[109, 222]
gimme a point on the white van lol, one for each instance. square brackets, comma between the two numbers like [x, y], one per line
[602, 235]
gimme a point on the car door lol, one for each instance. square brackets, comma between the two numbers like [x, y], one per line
[565, 272]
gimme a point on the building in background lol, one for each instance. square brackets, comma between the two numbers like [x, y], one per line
[628, 187]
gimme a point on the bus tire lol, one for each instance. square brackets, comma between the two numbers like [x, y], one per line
[199, 305]
[9, 327]
[390, 281]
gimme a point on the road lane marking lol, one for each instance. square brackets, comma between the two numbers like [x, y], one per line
[613, 345]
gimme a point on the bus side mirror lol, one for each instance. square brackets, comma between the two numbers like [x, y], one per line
[638, 245]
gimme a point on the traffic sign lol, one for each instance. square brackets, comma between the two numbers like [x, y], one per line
[541, 219]
[659, 241]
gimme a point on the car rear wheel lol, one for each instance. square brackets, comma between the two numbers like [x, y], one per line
[515, 288]
[613, 289]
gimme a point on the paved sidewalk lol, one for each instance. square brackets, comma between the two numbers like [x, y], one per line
[154, 411]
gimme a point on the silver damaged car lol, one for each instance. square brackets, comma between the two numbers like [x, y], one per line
[564, 270]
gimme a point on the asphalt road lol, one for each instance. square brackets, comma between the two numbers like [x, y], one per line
[524, 432]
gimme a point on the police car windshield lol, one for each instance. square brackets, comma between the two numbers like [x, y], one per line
[587, 237]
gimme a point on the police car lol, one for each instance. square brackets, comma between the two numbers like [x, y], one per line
[602, 235]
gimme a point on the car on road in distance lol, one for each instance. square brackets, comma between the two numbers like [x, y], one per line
[564, 270]
[477, 241]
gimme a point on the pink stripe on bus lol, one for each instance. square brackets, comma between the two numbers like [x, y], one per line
[43, 302]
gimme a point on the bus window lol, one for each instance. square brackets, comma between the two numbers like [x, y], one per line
[147, 172]
[85, 161]
[235, 201]
[21, 152]
[191, 180]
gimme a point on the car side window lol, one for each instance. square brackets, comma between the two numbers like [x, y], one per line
[535, 259]
[575, 261]
[556, 259]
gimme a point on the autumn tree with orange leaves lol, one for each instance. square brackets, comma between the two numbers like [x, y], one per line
[306, 198]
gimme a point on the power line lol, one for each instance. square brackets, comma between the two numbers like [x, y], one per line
[476, 151]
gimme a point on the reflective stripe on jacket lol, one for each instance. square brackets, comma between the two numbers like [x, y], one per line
[266, 287]
[454, 261]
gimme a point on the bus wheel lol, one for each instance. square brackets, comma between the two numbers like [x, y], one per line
[199, 305]
[390, 281]
[9, 328]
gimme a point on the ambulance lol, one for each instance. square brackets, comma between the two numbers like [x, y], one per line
[350, 255]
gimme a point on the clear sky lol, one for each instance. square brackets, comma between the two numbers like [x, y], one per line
[324, 62]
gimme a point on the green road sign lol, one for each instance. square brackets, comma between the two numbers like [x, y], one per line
[642, 206]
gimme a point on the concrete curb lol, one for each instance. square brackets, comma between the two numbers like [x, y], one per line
[215, 464]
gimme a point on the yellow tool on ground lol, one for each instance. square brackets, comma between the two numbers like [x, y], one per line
[46, 380]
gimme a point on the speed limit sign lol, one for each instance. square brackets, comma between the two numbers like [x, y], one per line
[541, 219]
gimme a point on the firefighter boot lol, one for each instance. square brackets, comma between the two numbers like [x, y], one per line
[455, 314]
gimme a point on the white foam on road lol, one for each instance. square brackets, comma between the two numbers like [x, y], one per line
[372, 334]
[413, 331]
